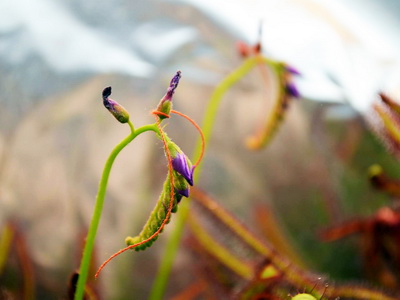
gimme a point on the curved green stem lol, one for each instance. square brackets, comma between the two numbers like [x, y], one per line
[207, 125]
[215, 101]
[87, 252]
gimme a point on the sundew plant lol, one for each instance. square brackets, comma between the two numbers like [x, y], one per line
[277, 275]
[235, 259]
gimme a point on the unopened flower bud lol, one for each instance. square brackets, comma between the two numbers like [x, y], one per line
[182, 165]
[117, 110]
[165, 104]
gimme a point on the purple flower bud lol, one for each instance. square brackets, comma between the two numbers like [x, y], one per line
[292, 90]
[172, 86]
[180, 165]
[183, 192]
[181, 187]
[292, 70]
[117, 110]
[165, 104]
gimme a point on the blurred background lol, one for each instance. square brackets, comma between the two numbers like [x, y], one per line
[55, 135]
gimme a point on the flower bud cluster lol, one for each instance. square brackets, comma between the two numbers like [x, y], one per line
[182, 176]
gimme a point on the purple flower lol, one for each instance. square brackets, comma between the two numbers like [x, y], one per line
[292, 90]
[180, 165]
[292, 70]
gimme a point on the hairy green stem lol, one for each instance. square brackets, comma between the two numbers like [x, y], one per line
[87, 252]
[161, 280]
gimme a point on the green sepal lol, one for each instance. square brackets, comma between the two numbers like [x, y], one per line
[120, 113]
[165, 107]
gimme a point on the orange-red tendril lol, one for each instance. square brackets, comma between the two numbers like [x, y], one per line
[159, 113]
[198, 129]
[172, 195]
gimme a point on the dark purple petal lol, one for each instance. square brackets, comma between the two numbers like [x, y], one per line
[292, 90]
[180, 165]
[183, 192]
[292, 70]
[175, 80]
[191, 176]
[106, 92]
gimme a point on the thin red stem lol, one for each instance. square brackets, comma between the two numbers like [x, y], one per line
[198, 129]
[172, 195]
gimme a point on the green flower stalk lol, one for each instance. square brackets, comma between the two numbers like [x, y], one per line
[122, 116]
